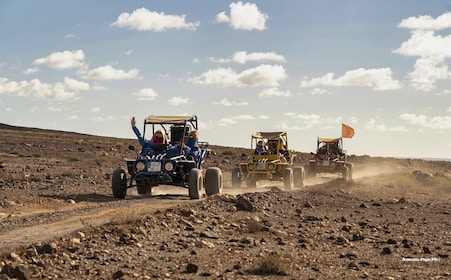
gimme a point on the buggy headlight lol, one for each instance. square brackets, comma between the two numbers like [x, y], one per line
[168, 166]
[250, 166]
[271, 166]
[140, 165]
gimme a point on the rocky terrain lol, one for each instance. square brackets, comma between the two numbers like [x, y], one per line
[59, 220]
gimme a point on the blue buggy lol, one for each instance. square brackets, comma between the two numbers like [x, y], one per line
[168, 163]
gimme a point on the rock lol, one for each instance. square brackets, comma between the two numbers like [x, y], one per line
[357, 236]
[209, 234]
[15, 272]
[386, 251]
[192, 268]
[244, 204]
[70, 201]
[118, 274]
[353, 265]
[308, 204]
[426, 250]
[349, 255]
[48, 248]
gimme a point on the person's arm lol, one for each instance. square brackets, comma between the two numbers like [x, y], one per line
[145, 144]
[139, 136]
[194, 152]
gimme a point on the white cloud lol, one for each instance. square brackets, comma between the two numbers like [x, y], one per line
[427, 22]
[433, 50]
[262, 75]
[437, 122]
[62, 60]
[29, 71]
[227, 103]
[274, 92]
[444, 92]
[244, 117]
[449, 109]
[129, 52]
[109, 73]
[104, 118]
[178, 100]
[284, 126]
[379, 79]
[226, 122]
[236, 119]
[219, 60]
[319, 91]
[263, 117]
[146, 94]
[73, 117]
[95, 109]
[243, 17]
[54, 109]
[373, 125]
[75, 85]
[243, 57]
[307, 119]
[35, 88]
[142, 19]
[311, 120]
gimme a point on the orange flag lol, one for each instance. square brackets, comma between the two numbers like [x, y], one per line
[346, 131]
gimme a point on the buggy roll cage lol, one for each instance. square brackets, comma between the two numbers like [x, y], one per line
[179, 126]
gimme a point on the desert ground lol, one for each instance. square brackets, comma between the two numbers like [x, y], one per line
[59, 219]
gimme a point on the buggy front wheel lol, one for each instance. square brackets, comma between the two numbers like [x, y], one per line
[213, 181]
[298, 177]
[288, 178]
[195, 183]
[119, 183]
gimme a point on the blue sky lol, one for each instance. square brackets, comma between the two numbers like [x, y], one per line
[305, 67]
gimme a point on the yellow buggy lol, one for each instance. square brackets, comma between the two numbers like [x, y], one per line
[276, 164]
[330, 157]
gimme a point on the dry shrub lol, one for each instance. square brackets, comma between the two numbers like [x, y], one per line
[272, 264]
[254, 226]
[119, 145]
[35, 178]
[73, 159]
[80, 142]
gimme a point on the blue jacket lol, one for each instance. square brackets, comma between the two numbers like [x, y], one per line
[191, 149]
[146, 145]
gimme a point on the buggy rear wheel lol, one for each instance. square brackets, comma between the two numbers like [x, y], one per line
[236, 177]
[349, 165]
[119, 183]
[288, 178]
[345, 173]
[213, 181]
[298, 177]
[195, 183]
